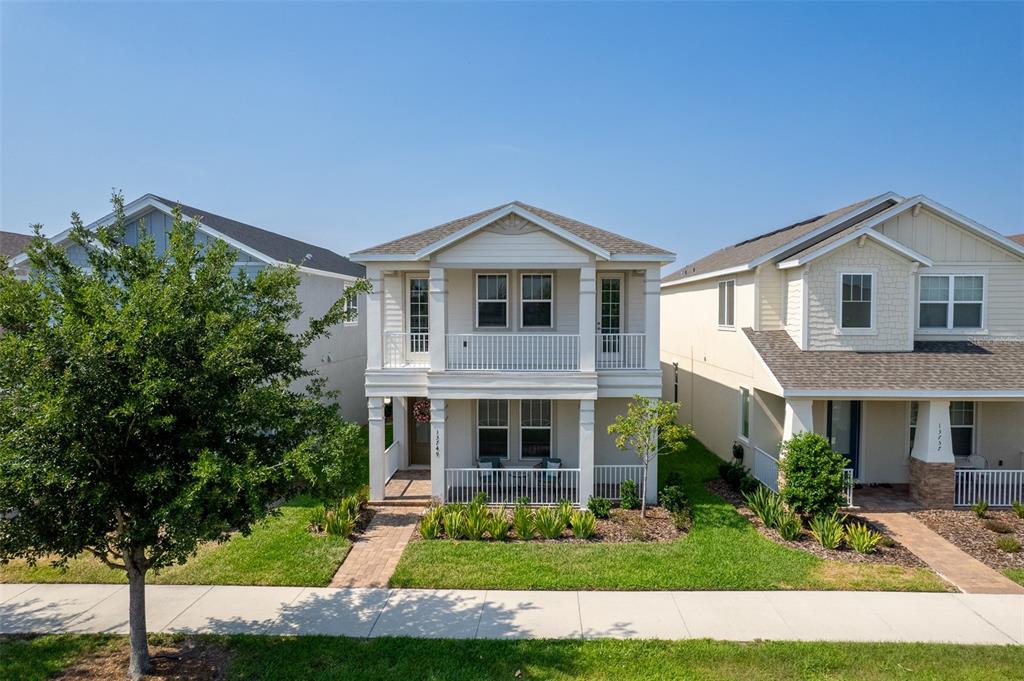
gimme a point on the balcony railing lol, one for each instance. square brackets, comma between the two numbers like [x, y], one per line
[406, 349]
[512, 352]
[620, 350]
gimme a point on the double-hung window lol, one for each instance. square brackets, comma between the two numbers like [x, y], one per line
[419, 314]
[492, 428]
[492, 300]
[856, 301]
[537, 300]
[951, 301]
[961, 425]
[726, 303]
[352, 309]
[535, 428]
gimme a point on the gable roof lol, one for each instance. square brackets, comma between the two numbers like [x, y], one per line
[419, 244]
[1019, 238]
[13, 243]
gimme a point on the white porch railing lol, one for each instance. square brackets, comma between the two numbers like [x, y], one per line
[608, 480]
[542, 486]
[406, 349]
[766, 469]
[998, 487]
[513, 352]
[392, 456]
[620, 350]
[848, 479]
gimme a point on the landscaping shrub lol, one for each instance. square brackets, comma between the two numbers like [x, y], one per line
[998, 526]
[1008, 544]
[349, 507]
[565, 510]
[813, 474]
[674, 479]
[862, 538]
[338, 524]
[600, 507]
[430, 523]
[479, 499]
[887, 541]
[1018, 508]
[733, 473]
[980, 508]
[828, 529]
[548, 522]
[522, 521]
[766, 505]
[629, 499]
[499, 526]
[748, 484]
[673, 498]
[583, 524]
[318, 517]
[523, 501]
[790, 526]
[476, 522]
[454, 521]
[683, 520]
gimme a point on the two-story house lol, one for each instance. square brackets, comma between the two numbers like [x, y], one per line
[893, 326]
[340, 358]
[506, 342]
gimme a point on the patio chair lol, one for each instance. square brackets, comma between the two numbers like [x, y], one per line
[551, 466]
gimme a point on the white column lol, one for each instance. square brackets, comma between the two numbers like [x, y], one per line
[932, 443]
[799, 418]
[586, 451]
[438, 456]
[378, 464]
[374, 328]
[588, 317]
[438, 318]
[400, 428]
[652, 317]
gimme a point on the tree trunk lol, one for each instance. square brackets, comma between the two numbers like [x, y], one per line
[643, 495]
[138, 664]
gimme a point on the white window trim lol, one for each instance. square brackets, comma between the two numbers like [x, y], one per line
[745, 439]
[507, 428]
[550, 429]
[621, 278]
[354, 304]
[477, 301]
[841, 330]
[949, 329]
[523, 300]
[728, 310]
[407, 292]
[976, 413]
[911, 426]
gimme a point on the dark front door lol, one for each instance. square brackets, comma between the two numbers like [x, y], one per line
[844, 430]
[419, 437]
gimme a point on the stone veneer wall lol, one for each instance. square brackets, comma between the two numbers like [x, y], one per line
[932, 484]
[893, 291]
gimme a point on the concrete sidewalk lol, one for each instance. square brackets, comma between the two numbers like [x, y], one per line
[724, 615]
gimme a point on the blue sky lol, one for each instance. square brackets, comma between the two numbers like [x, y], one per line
[690, 126]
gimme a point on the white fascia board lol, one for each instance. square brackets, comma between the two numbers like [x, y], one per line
[502, 212]
[708, 275]
[645, 257]
[891, 244]
[908, 394]
[383, 257]
[325, 273]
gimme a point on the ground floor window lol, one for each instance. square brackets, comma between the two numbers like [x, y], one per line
[961, 423]
[913, 424]
[535, 429]
[492, 428]
[745, 413]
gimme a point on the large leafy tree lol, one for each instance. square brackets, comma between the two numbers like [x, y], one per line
[146, 401]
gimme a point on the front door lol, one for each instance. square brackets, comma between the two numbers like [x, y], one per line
[419, 436]
[609, 320]
[844, 430]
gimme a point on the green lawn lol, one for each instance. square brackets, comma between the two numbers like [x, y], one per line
[1015, 574]
[315, 658]
[723, 551]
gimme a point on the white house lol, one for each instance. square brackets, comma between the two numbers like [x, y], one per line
[324, 275]
[507, 341]
[894, 326]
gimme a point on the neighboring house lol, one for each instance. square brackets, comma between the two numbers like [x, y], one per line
[324, 274]
[507, 341]
[13, 243]
[894, 326]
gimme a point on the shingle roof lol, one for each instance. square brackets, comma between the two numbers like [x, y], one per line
[277, 246]
[1019, 238]
[752, 249]
[995, 365]
[13, 243]
[609, 241]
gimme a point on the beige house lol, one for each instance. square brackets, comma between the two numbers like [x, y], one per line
[893, 326]
[506, 341]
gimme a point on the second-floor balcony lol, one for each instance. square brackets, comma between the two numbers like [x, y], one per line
[515, 352]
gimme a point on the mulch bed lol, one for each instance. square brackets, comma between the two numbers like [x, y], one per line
[186, 660]
[968, 532]
[896, 554]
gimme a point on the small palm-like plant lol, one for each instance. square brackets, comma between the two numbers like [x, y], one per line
[790, 527]
[862, 538]
[767, 505]
[548, 522]
[477, 521]
[980, 508]
[1018, 508]
[430, 523]
[565, 509]
[522, 521]
[1008, 544]
[583, 524]
[339, 525]
[499, 526]
[349, 507]
[454, 521]
[318, 517]
[828, 529]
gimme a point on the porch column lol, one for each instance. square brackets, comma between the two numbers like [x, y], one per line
[400, 428]
[586, 451]
[378, 463]
[932, 479]
[373, 317]
[437, 318]
[652, 317]
[799, 418]
[438, 454]
[588, 318]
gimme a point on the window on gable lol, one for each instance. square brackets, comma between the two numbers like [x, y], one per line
[950, 301]
[492, 428]
[856, 301]
[492, 300]
[726, 302]
[535, 428]
[537, 300]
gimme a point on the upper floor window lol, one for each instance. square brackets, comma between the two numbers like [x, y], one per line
[537, 300]
[726, 302]
[352, 307]
[856, 301]
[535, 428]
[492, 428]
[951, 301]
[419, 314]
[492, 300]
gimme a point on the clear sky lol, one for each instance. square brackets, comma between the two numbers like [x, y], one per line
[690, 126]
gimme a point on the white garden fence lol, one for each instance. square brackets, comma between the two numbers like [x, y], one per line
[996, 487]
[608, 480]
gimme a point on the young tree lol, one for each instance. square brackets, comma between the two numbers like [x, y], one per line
[145, 401]
[638, 431]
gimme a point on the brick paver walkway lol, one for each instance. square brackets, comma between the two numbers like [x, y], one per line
[375, 554]
[965, 572]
